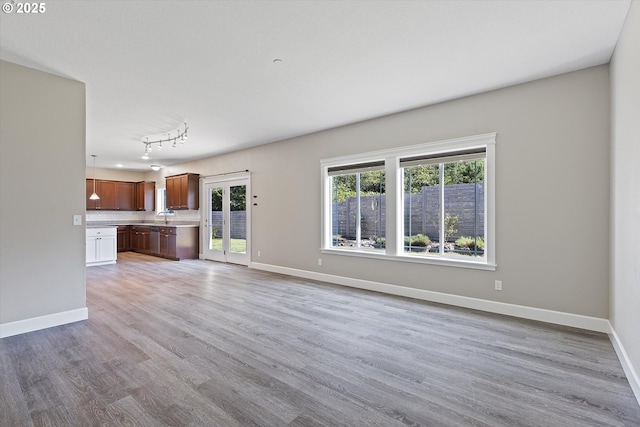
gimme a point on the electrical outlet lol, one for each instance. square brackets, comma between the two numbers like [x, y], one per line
[77, 220]
[319, 261]
[498, 285]
[258, 254]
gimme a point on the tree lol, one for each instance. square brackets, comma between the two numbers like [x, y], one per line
[415, 177]
[216, 199]
[464, 172]
[238, 198]
[371, 184]
[450, 226]
[460, 172]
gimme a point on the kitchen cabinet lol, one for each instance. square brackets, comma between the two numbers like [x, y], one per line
[91, 204]
[171, 242]
[114, 195]
[179, 242]
[141, 239]
[101, 246]
[134, 239]
[124, 242]
[107, 191]
[146, 196]
[125, 196]
[172, 192]
[183, 191]
[168, 242]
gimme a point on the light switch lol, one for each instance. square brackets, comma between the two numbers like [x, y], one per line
[77, 220]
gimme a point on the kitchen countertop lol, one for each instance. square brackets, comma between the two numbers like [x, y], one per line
[99, 224]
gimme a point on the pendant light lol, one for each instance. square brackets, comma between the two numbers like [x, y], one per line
[94, 196]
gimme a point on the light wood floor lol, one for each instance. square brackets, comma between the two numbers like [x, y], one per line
[199, 343]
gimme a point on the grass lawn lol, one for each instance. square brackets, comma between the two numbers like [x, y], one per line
[236, 245]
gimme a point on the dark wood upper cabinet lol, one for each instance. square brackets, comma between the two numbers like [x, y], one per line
[146, 196]
[91, 204]
[107, 192]
[125, 196]
[114, 195]
[183, 191]
[172, 194]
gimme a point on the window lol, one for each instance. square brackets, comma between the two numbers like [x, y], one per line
[357, 206]
[161, 203]
[443, 204]
[430, 203]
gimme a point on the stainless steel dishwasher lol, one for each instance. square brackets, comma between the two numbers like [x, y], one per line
[154, 241]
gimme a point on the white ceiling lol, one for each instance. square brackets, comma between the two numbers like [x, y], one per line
[149, 66]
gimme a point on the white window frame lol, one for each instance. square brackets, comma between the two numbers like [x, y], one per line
[394, 249]
[357, 171]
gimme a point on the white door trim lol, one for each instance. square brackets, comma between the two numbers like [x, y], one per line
[225, 181]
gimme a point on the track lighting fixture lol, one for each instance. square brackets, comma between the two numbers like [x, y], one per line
[180, 136]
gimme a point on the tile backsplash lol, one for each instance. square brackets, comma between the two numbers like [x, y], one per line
[123, 216]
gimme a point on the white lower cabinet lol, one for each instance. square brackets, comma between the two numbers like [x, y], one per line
[102, 247]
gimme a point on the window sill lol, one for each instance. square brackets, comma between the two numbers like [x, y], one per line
[447, 262]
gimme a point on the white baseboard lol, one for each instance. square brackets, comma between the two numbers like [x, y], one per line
[93, 264]
[531, 313]
[43, 322]
[627, 366]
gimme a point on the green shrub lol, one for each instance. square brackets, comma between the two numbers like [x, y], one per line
[417, 240]
[470, 243]
[464, 242]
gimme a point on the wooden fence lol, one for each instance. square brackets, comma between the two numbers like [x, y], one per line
[238, 224]
[464, 201]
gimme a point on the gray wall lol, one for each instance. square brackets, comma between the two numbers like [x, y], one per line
[552, 172]
[42, 172]
[625, 188]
